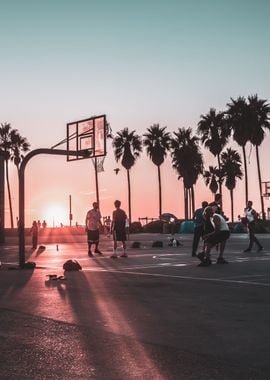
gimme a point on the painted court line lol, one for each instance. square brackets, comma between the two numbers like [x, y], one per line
[239, 282]
[246, 276]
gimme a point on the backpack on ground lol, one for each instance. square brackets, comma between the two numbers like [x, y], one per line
[71, 265]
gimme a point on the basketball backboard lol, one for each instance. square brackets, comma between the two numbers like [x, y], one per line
[87, 137]
[266, 190]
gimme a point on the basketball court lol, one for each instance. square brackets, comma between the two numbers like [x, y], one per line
[156, 306]
[243, 268]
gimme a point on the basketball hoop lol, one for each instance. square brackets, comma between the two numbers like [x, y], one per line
[266, 186]
[87, 137]
[98, 163]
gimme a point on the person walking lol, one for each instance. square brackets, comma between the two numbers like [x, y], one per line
[119, 218]
[34, 231]
[107, 225]
[198, 228]
[251, 217]
[219, 235]
[92, 225]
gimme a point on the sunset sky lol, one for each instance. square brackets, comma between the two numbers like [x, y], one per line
[139, 62]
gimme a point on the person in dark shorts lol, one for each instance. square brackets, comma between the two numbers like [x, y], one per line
[119, 229]
[199, 221]
[92, 224]
[219, 235]
[251, 216]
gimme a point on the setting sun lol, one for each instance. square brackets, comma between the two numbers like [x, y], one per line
[54, 215]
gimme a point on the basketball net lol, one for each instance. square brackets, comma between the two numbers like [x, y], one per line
[100, 161]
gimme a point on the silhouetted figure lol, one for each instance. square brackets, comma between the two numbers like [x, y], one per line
[119, 218]
[219, 235]
[44, 224]
[39, 224]
[251, 217]
[107, 225]
[199, 222]
[34, 231]
[92, 225]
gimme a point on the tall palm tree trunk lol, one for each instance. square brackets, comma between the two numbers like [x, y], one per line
[186, 203]
[232, 206]
[246, 173]
[129, 198]
[193, 200]
[219, 180]
[9, 197]
[189, 203]
[159, 189]
[260, 181]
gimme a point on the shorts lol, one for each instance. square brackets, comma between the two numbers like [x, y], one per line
[120, 235]
[217, 238]
[93, 236]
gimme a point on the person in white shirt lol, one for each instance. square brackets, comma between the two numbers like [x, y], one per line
[92, 224]
[219, 235]
[251, 216]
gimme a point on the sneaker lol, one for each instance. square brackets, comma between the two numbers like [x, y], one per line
[201, 256]
[90, 254]
[124, 255]
[114, 256]
[205, 263]
[247, 250]
[260, 249]
[220, 260]
[98, 251]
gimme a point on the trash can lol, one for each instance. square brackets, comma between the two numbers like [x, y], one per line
[187, 227]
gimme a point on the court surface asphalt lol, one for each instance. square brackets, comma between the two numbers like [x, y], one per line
[153, 315]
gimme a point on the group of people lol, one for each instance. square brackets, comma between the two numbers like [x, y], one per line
[117, 228]
[211, 225]
[36, 225]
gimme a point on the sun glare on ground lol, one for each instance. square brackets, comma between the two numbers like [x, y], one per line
[54, 215]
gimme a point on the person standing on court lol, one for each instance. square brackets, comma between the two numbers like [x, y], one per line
[251, 217]
[34, 231]
[119, 218]
[199, 221]
[219, 235]
[92, 225]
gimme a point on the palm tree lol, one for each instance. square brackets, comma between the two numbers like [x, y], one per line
[238, 118]
[231, 169]
[18, 146]
[5, 144]
[214, 132]
[212, 178]
[259, 123]
[157, 143]
[127, 147]
[187, 161]
[12, 145]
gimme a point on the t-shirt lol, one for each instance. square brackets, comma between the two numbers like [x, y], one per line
[93, 219]
[119, 219]
[223, 225]
[250, 214]
[198, 217]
